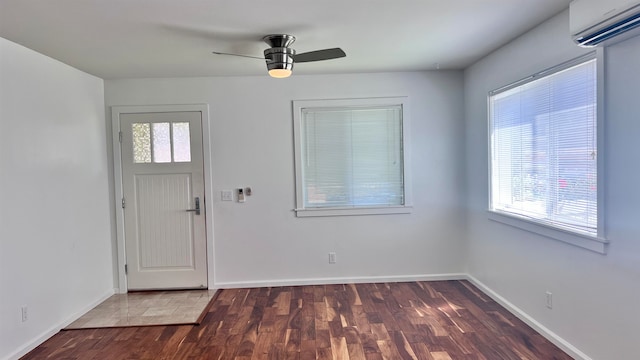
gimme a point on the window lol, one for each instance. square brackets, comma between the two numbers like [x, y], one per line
[159, 142]
[350, 157]
[544, 151]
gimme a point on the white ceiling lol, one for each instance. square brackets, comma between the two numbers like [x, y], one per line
[174, 38]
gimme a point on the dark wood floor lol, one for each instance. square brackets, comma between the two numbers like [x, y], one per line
[416, 320]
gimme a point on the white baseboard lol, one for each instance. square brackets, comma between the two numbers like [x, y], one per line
[544, 331]
[337, 280]
[56, 328]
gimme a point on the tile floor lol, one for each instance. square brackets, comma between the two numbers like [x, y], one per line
[146, 308]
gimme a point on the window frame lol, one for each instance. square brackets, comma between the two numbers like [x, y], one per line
[299, 105]
[597, 243]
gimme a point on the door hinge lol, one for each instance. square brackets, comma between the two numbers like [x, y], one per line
[126, 269]
[120, 136]
[123, 203]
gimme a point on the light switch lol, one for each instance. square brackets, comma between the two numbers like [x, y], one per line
[226, 195]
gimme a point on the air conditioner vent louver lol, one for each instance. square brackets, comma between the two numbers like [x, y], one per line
[594, 22]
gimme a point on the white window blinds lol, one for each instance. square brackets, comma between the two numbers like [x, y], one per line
[352, 157]
[544, 148]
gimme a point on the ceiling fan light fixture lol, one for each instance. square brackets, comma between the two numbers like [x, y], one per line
[279, 73]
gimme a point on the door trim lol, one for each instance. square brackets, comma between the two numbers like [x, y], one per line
[116, 111]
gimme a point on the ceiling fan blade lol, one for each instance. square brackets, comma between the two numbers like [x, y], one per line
[246, 56]
[325, 54]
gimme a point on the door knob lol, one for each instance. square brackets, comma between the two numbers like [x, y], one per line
[197, 209]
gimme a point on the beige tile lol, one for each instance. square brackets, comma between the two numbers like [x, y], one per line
[160, 311]
[147, 308]
[78, 323]
[136, 311]
[189, 311]
[155, 302]
[102, 322]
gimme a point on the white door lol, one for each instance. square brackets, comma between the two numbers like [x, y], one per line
[163, 188]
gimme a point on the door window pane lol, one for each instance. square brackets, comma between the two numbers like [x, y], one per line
[161, 143]
[141, 142]
[181, 142]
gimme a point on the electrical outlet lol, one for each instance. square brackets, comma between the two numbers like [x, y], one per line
[549, 300]
[25, 314]
[332, 258]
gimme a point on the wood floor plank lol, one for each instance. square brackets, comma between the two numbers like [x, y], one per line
[307, 328]
[373, 356]
[369, 343]
[339, 349]
[307, 349]
[173, 342]
[323, 339]
[388, 350]
[440, 355]
[292, 340]
[324, 354]
[355, 351]
[306, 306]
[444, 320]
[353, 293]
[321, 320]
[283, 303]
[351, 335]
[422, 351]
[402, 345]
[380, 331]
[243, 317]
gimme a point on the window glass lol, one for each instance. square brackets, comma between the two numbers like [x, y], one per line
[161, 143]
[353, 157]
[544, 149]
[141, 142]
[350, 157]
[181, 142]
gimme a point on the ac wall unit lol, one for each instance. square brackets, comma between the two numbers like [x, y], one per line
[603, 22]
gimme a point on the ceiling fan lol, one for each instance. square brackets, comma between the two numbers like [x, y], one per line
[280, 57]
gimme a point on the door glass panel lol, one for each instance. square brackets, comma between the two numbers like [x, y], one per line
[141, 142]
[181, 142]
[162, 138]
[161, 143]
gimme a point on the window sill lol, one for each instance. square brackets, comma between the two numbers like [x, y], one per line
[354, 211]
[596, 244]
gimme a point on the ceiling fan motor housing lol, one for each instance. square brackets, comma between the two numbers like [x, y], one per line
[279, 56]
[279, 40]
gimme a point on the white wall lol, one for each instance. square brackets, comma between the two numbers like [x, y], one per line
[594, 296]
[55, 235]
[261, 242]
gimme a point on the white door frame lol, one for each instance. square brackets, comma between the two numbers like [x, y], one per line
[119, 194]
